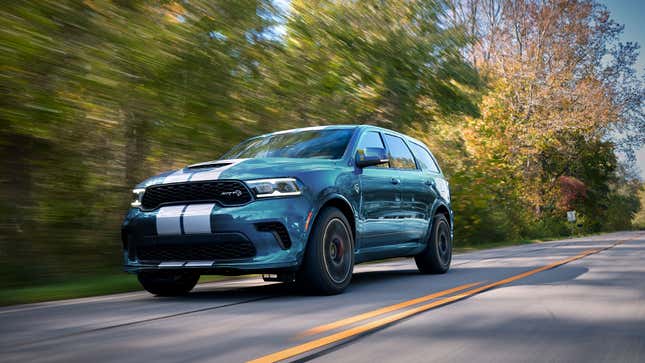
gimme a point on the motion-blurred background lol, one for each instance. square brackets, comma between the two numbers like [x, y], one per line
[533, 107]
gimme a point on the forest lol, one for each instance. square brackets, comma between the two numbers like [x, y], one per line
[526, 104]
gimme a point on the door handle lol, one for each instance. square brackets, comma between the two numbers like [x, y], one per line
[395, 181]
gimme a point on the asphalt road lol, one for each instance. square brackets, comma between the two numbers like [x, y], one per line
[576, 300]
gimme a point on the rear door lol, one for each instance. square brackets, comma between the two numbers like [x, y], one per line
[380, 197]
[415, 197]
[429, 172]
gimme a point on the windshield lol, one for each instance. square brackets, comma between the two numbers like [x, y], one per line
[317, 144]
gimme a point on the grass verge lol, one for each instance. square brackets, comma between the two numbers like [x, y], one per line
[491, 245]
[79, 287]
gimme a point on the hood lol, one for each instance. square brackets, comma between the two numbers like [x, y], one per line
[241, 169]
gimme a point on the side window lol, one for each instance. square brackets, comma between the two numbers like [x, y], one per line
[424, 159]
[400, 155]
[371, 144]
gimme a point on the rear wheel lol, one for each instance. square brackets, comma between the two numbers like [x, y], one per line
[329, 257]
[168, 283]
[435, 259]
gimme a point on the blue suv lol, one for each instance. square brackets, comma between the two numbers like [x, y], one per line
[301, 205]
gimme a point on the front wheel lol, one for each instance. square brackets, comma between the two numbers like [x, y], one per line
[329, 257]
[436, 257]
[168, 283]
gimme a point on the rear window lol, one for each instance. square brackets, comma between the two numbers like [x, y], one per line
[426, 162]
[400, 156]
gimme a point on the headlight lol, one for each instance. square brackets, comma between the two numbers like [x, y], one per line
[282, 187]
[137, 197]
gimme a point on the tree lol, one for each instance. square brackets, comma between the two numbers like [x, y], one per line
[90, 109]
[560, 84]
[381, 62]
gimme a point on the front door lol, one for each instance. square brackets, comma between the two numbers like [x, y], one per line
[380, 199]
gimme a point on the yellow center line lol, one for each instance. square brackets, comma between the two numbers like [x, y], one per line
[352, 332]
[383, 310]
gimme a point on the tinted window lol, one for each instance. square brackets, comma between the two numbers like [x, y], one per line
[317, 144]
[426, 162]
[371, 139]
[400, 155]
[371, 144]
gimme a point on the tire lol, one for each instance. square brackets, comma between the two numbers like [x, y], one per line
[436, 257]
[168, 283]
[329, 257]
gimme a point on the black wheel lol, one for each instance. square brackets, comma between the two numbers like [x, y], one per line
[329, 257]
[168, 283]
[435, 259]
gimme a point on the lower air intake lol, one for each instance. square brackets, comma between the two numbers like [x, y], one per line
[210, 252]
[279, 232]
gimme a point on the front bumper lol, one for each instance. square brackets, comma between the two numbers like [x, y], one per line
[232, 229]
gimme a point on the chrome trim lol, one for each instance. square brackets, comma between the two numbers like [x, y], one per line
[199, 263]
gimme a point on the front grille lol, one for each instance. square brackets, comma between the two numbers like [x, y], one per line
[225, 192]
[210, 252]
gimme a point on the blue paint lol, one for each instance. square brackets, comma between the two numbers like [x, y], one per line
[390, 219]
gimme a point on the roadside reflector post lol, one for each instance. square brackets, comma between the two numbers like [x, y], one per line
[571, 218]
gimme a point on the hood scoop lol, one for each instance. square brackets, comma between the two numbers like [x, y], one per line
[208, 165]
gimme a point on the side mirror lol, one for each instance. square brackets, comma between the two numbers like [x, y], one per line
[371, 157]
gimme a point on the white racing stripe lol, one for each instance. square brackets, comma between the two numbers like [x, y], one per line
[197, 218]
[169, 220]
[177, 177]
[215, 173]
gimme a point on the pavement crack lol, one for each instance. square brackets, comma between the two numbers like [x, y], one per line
[142, 321]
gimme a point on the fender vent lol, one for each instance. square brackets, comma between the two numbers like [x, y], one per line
[207, 165]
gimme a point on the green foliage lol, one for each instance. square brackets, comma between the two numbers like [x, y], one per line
[97, 95]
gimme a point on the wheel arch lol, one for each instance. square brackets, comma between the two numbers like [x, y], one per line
[441, 208]
[342, 204]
